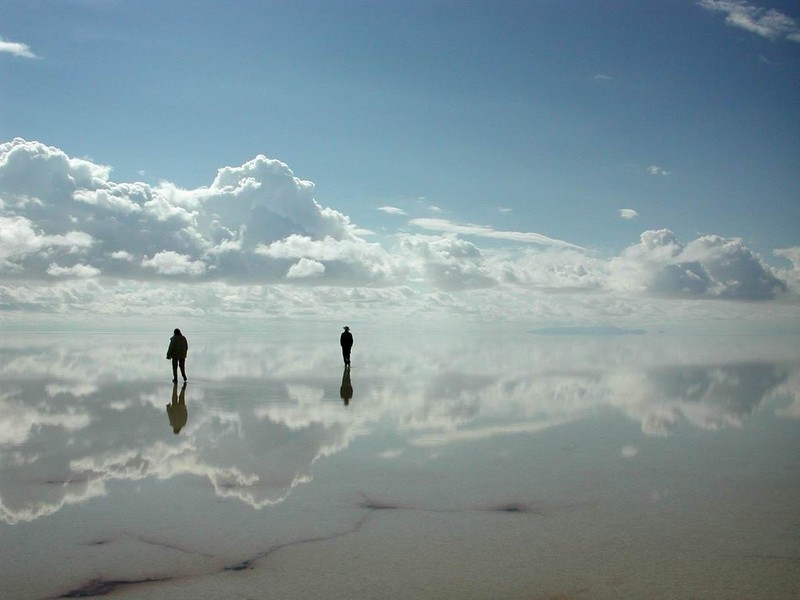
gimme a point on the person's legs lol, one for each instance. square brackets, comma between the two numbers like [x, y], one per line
[182, 363]
[174, 369]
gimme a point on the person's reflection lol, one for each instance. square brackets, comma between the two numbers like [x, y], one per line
[177, 410]
[346, 391]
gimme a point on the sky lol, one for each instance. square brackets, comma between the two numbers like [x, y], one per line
[545, 164]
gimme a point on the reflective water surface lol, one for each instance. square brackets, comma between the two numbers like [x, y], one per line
[516, 466]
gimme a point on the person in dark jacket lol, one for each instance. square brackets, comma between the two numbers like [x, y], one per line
[177, 351]
[346, 342]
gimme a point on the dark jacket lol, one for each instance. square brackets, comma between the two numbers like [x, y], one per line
[346, 339]
[178, 347]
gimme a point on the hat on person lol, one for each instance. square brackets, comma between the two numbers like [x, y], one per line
[347, 328]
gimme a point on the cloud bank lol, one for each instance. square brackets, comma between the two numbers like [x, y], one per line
[256, 241]
[62, 215]
[710, 266]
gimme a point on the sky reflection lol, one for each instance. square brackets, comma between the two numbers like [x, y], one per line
[78, 411]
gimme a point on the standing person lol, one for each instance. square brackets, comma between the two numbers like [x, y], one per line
[346, 342]
[178, 348]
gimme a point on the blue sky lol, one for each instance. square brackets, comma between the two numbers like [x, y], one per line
[539, 117]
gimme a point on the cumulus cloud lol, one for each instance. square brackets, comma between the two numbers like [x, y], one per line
[344, 260]
[305, 268]
[63, 210]
[447, 262]
[710, 266]
[20, 238]
[628, 213]
[553, 270]
[77, 270]
[122, 255]
[16, 49]
[769, 23]
[172, 263]
[256, 241]
[791, 275]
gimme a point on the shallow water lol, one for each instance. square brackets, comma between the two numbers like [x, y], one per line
[516, 466]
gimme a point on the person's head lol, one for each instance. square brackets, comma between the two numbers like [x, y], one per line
[177, 331]
[346, 328]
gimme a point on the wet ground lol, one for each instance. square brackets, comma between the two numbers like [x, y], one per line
[516, 466]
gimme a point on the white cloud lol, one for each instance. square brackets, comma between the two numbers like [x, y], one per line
[122, 255]
[16, 48]
[628, 213]
[769, 23]
[446, 262]
[345, 260]
[392, 210]
[172, 263]
[553, 270]
[54, 205]
[446, 226]
[119, 198]
[791, 275]
[710, 267]
[305, 268]
[656, 170]
[79, 270]
[19, 238]
[256, 242]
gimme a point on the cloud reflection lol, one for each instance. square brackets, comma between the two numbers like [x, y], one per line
[74, 415]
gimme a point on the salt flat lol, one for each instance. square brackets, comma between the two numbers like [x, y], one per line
[513, 466]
